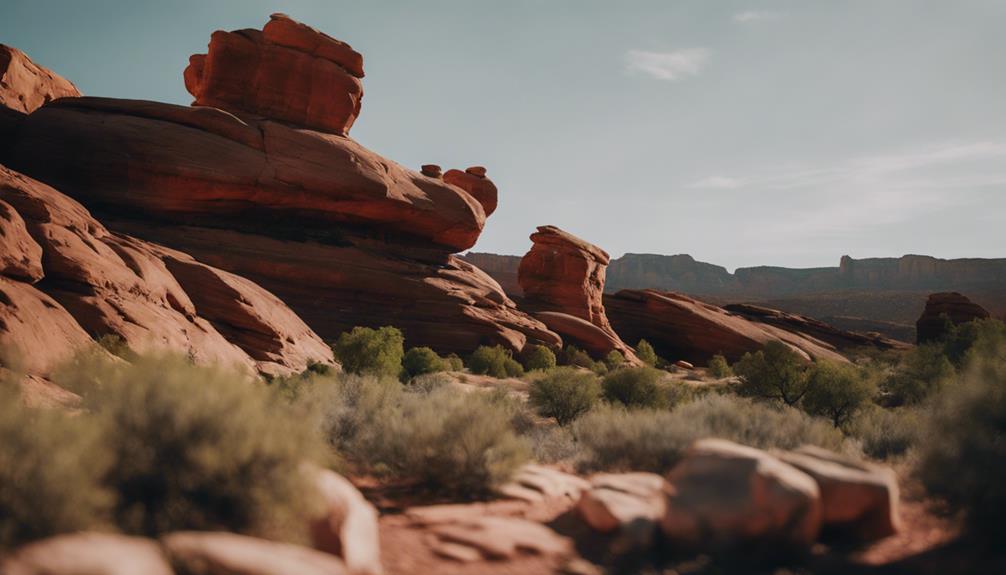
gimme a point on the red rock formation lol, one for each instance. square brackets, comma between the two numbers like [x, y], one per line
[840, 339]
[26, 86]
[474, 181]
[565, 274]
[943, 309]
[503, 269]
[96, 282]
[287, 71]
[680, 327]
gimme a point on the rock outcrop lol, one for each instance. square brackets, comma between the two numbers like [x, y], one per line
[218, 553]
[67, 279]
[259, 180]
[25, 86]
[562, 278]
[944, 310]
[679, 327]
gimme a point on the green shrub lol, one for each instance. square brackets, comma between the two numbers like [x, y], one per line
[454, 362]
[718, 367]
[495, 361]
[963, 454]
[886, 433]
[774, 372]
[983, 336]
[837, 391]
[645, 352]
[115, 345]
[539, 357]
[565, 394]
[421, 360]
[199, 448]
[654, 441]
[51, 466]
[368, 351]
[574, 356]
[922, 372]
[599, 367]
[614, 359]
[635, 387]
[461, 444]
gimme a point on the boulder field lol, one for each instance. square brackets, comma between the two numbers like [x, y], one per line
[260, 178]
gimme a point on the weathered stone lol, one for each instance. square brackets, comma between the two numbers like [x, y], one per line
[630, 505]
[88, 554]
[217, 553]
[347, 525]
[25, 86]
[943, 310]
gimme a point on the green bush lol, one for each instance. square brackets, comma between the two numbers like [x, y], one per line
[977, 338]
[963, 455]
[718, 367]
[368, 351]
[635, 387]
[495, 361]
[51, 466]
[619, 440]
[565, 394]
[574, 356]
[614, 359]
[539, 357]
[462, 444]
[837, 391]
[422, 360]
[774, 372]
[454, 362]
[199, 448]
[599, 368]
[922, 372]
[886, 433]
[645, 352]
[115, 345]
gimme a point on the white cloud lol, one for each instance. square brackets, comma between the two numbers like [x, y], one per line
[749, 16]
[667, 65]
[717, 183]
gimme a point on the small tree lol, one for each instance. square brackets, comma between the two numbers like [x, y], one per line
[645, 352]
[718, 367]
[614, 359]
[565, 394]
[922, 372]
[495, 361]
[539, 357]
[774, 372]
[635, 387]
[572, 355]
[421, 360]
[837, 391]
[371, 351]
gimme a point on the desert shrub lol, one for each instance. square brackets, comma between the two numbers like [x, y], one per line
[886, 433]
[572, 355]
[428, 382]
[774, 372]
[599, 368]
[495, 361]
[551, 444]
[201, 448]
[984, 336]
[454, 362]
[368, 351]
[837, 391]
[718, 367]
[922, 372]
[51, 466]
[614, 359]
[539, 357]
[635, 387]
[963, 455]
[115, 345]
[454, 443]
[421, 360]
[645, 352]
[565, 394]
[616, 439]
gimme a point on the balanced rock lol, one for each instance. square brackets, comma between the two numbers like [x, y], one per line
[477, 185]
[431, 170]
[564, 274]
[88, 554]
[943, 310]
[25, 86]
[728, 496]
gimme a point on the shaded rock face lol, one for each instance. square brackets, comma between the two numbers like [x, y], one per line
[563, 277]
[79, 281]
[287, 71]
[251, 182]
[680, 327]
[26, 86]
[946, 308]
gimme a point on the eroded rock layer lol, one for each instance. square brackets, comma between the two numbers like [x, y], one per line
[26, 86]
[944, 310]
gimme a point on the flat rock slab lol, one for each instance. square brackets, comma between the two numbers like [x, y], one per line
[88, 554]
[206, 553]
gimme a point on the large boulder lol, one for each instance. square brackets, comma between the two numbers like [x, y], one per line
[680, 327]
[629, 505]
[727, 496]
[218, 553]
[347, 524]
[25, 86]
[858, 499]
[943, 310]
[564, 274]
[288, 71]
[88, 554]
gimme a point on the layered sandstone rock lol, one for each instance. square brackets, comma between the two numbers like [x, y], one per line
[563, 277]
[943, 310]
[680, 327]
[474, 181]
[86, 281]
[26, 86]
[252, 182]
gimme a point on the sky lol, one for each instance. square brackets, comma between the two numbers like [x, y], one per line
[743, 133]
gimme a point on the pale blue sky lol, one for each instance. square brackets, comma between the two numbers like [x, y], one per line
[743, 133]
